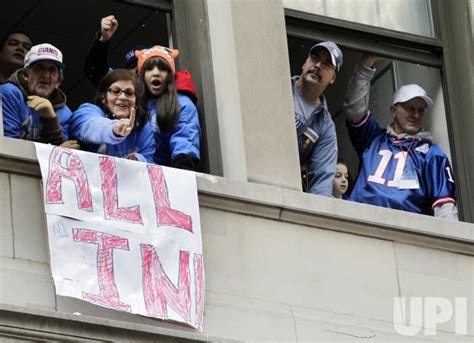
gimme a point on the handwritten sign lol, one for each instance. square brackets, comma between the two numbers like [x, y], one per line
[124, 234]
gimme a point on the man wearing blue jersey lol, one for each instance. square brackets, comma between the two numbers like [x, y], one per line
[400, 167]
[316, 133]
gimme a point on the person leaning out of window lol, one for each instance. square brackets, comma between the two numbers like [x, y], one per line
[115, 124]
[400, 166]
[315, 129]
[173, 116]
[34, 108]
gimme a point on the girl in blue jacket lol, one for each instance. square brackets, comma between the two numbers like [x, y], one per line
[116, 124]
[173, 116]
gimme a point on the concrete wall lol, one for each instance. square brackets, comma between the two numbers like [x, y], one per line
[280, 265]
[247, 53]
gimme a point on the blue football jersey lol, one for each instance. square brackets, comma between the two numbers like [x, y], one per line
[406, 174]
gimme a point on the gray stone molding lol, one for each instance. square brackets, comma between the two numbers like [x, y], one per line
[290, 206]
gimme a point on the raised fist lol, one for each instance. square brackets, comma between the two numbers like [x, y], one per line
[108, 26]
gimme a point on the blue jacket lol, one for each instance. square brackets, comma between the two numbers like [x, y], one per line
[91, 126]
[183, 139]
[317, 146]
[21, 121]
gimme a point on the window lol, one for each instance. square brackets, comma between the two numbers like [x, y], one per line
[71, 27]
[410, 16]
[405, 58]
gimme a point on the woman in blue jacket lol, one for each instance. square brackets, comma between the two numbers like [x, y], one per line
[116, 124]
[173, 116]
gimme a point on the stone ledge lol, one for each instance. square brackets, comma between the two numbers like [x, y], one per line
[17, 156]
[333, 214]
[39, 325]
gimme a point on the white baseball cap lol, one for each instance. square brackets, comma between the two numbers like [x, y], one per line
[408, 92]
[44, 52]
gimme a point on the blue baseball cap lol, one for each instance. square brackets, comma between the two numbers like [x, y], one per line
[334, 52]
[130, 60]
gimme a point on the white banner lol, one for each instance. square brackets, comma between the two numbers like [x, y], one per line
[124, 234]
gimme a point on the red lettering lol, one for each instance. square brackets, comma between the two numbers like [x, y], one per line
[108, 294]
[108, 172]
[164, 213]
[199, 286]
[75, 172]
[159, 291]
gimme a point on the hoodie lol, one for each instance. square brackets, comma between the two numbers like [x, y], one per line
[21, 121]
[94, 129]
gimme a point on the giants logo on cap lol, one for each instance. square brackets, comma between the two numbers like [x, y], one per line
[46, 50]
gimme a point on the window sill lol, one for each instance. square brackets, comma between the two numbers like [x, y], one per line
[271, 202]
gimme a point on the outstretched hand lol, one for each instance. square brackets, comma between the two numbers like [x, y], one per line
[41, 105]
[108, 26]
[124, 126]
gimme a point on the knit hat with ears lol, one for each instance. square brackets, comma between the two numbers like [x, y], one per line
[167, 54]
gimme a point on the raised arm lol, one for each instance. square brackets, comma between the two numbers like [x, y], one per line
[97, 61]
[356, 101]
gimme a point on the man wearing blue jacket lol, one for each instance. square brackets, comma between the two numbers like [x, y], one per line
[317, 142]
[34, 108]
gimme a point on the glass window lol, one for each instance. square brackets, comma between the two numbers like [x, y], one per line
[390, 75]
[410, 16]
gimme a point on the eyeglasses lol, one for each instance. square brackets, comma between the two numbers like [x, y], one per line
[116, 91]
[325, 64]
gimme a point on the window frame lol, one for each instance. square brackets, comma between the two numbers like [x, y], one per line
[386, 43]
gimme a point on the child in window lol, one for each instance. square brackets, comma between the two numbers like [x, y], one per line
[341, 180]
[173, 116]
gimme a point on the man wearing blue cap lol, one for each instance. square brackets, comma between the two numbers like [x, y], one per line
[317, 142]
[400, 167]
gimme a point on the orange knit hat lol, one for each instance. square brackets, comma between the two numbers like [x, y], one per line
[156, 51]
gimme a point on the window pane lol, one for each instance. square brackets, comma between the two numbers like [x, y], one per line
[410, 16]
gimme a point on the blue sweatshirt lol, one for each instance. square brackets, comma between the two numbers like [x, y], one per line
[185, 136]
[92, 127]
[21, 121]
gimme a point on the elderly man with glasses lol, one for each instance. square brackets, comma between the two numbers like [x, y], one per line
[316, 133]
